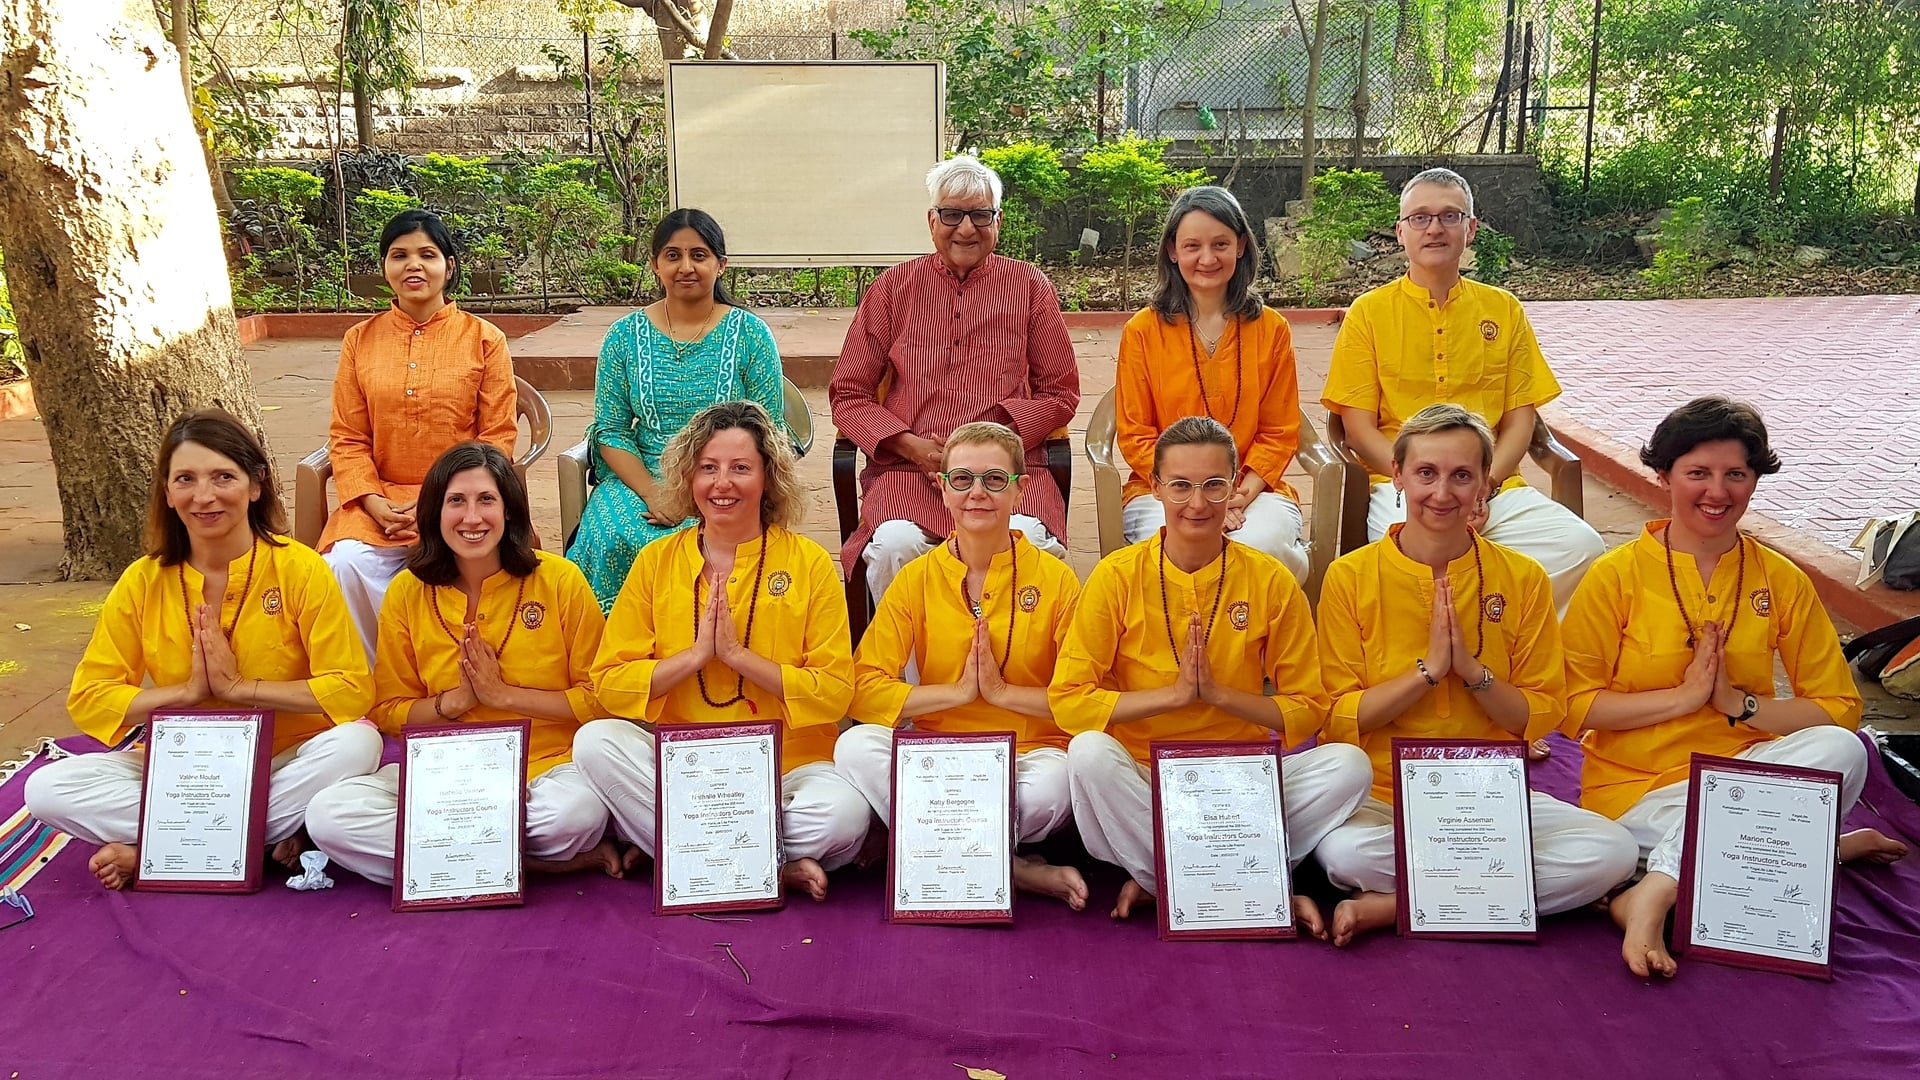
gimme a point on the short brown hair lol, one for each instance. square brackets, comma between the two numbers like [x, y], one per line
[223, 433]
[1705, 420]
[782, 499]
[1196, 431]
[1435, 419]
[991, 434]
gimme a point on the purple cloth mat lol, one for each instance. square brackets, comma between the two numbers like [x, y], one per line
[585, 982]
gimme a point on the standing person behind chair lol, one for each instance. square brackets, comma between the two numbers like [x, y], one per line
[413, 380]
[223, 612]
[658, 367]
[959, 335]
[1207, 346]
[1431, 337]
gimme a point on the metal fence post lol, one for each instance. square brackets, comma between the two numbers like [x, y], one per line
[1593, 97]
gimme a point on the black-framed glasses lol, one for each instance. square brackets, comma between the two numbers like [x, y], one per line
[1179, 492]
[954, 215]
[994, 480]
[1449, 219]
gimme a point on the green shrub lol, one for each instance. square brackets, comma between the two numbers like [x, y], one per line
[1035, 179]
[1492, 255]
[1129, 179]
[1347, 206]
[13, 357]
[1688, 242]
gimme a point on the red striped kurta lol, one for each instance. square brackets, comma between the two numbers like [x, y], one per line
[992, 347]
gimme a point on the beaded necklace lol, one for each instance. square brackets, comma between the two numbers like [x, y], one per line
[1219, 590]
[1479, 591]
[513, 620]
[753, 608]
[1193, 348]
[1673, 582]
[253, 553]
[1013, 594]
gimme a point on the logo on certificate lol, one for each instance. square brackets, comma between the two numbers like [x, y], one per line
[270, 601]
[926, 762]
[1496, 606]
[1029, 598]
[1736, 793]
[1191, 776]
[1433, 779]
[1489, 329]
[779, 582]
[1762, 602]
[532, 614]
[1238, 613]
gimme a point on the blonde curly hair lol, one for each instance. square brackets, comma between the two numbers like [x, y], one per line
[782, 499]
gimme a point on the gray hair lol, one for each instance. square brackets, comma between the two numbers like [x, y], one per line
[1441, 178]
[962, 177]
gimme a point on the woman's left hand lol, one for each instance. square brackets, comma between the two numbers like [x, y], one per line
[726, 640]
[1727, 699]
[223, 669]
[481, 668]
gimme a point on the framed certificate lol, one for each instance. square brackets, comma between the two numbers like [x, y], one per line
[1463, 839]
[952, 828]
[717, 830]
[463, 817]
[203, 801]
[1757, 871]
[1220, 841]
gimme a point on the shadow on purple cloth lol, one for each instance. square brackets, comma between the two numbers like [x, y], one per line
[585, 982]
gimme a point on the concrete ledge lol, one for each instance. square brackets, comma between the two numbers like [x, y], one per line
[1832, 570]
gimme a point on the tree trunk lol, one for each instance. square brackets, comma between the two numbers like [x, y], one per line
[1310, 103]
[114, 263]
[717, 28]
[1779, 151]
[1362, 97]
[362, 96]
[180, 27]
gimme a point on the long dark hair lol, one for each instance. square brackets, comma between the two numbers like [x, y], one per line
[701, 222]
[431, 560]
[224, 434]
[1170, 295]
[412, 221]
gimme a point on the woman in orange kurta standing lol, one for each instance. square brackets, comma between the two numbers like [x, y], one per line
[413, 381]
[1209, 347]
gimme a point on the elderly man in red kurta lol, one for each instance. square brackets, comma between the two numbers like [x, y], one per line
[956, 336]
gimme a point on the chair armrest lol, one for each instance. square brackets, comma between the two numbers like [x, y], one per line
[310, 509]
[1330, 474]
[1356, 487]
[846, 491]
[576, 472]
[531, 404]
[1561, 465]
[1060, 463]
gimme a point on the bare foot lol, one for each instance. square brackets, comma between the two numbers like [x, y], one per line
[1037, 875]
[1306, 916]
[805, 875]
[287, 852]
[1130, 894]
[1362, 914]
[604, 856]
[115, 865]
[1539, 750]
[1871, 845]
[1641, 914]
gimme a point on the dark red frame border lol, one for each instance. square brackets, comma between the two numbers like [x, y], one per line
[1173, 751]
[256, 810]
[950, 916]
[507, 898]
[678, 733]
[1450, 750]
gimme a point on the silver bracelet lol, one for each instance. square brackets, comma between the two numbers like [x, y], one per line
[1486, 680]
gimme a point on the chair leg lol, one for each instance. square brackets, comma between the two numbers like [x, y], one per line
[859, 604]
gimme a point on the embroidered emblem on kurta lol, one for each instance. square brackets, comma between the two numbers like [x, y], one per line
[1239, 614]
[532, 614]
[779, 582]
[270, 601]
[1489, 329]
[1762, 602]
[1029, 598]
[1496, 606]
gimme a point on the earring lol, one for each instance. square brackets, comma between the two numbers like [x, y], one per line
[1396, 498]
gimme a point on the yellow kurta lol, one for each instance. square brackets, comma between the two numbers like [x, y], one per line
[801, 625]
[1624, 633]
[556, 633]
[1376, 608]
[292, 625]
[1398, 352]
[925, 617]
[1155, 384]
[1118, 642]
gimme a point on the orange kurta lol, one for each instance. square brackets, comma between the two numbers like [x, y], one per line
[404, 393]
[1156, 384]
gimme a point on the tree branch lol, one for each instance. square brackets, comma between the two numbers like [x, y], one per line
[657, 8]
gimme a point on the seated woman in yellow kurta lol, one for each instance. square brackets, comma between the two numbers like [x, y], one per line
[981, 618]
[1140, 664]
[1671, 641]
[1434, 632]
[223, 612]
[481, 627]
[739, 620]
[1208, 346]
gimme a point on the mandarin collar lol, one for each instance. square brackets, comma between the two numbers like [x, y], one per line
[446, 311]
[1406, 564]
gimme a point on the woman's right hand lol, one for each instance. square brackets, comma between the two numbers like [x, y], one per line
[199, 686]
[706, 628]
[1440, 631]
[1696, 687]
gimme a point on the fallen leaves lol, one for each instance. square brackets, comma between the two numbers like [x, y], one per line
[981, 1074]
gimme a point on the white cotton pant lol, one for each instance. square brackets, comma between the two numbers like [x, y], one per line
[1272, 525]
[1658, 822]
[364, 572]
[1042, 798]
[356, 821]
[1113, 800]
[897, 542]
[1523, 519]
[822, 816]
[95, 798]
[1578, 855]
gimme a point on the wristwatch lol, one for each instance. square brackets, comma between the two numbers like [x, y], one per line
[1748, 707]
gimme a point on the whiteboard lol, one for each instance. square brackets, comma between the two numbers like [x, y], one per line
[807, 163]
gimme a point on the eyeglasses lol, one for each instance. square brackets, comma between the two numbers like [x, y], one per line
[994, 480]
[954, 215]
[1179, 492]
[1450, 219]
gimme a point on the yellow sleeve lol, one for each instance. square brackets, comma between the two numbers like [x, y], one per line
[1277, 439]
[110, 672]
[396, 669]
[1530, 381]
[350, 431]
[629, 649]
[1539, 662]
[1293, 660]
[819, 689]
[584, 628]
[1136, 424]
[336, 661]
[879, 694]
[1079, 693]
[1353, 374]
[1810, 651]
[1343, 661]
[499, 395]
[1591, 634]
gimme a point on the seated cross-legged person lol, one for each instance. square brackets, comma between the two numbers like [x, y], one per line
[1208, 346]
[481, 628]
[983, 616]
[1431, 337]
[740, 620]
[959, 335]
[1437, 633]
[1176, 638]
[1671, 646]
[223, 612]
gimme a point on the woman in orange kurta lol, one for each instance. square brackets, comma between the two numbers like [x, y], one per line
[1208, 347]
[413, 381]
